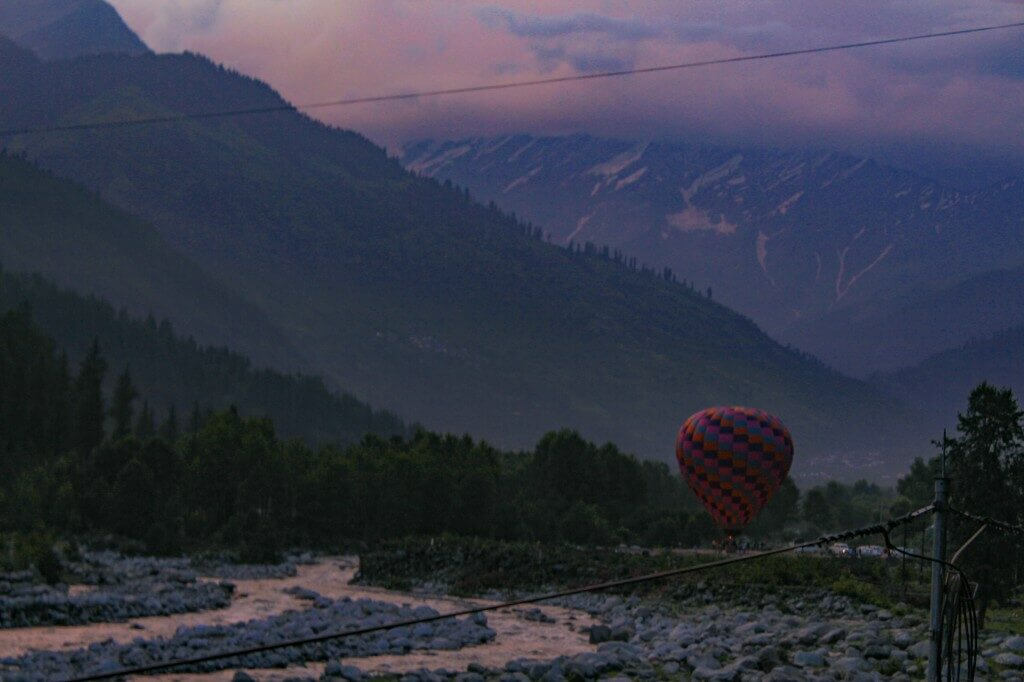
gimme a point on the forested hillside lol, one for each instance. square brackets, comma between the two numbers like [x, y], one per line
[413, 296]
[826, 250]
[81, 454]
[939, 383]
[172, 372]
[895, 331]
[70, 235]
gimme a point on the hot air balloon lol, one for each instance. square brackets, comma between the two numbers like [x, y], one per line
[734, 459]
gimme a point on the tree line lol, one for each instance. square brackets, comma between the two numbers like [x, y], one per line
[170, 370]
[77, 460]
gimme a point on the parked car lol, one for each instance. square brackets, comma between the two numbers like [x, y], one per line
[840, 549]
[876, 551]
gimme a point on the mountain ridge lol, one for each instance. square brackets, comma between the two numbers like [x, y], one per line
[787, 238]
[64, 29]
[413, 296]
[941, 382]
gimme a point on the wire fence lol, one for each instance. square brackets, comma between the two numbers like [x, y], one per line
[988, 521]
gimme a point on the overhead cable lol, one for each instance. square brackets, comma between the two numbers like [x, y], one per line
[489, 87]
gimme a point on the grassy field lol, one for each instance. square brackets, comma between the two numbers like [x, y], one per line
[1007, 618]
[472, 566]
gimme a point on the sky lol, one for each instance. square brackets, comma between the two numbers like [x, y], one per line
[950, 107]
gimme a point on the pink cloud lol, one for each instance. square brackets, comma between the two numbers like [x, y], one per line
[966, 89]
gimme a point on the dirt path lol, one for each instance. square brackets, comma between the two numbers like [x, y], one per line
[516, 638]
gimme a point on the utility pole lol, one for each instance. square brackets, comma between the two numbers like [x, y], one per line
[938, 570]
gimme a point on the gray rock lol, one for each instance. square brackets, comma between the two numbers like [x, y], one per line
[768, 657]
[513, 677]
[850, 665]
[1014, 644]
[808, 659]
[553, 675]
[351, 673]
[877, 651]
[622, 634]
[759, 640]
[703, 662]
[683, 635]
[784, 673]
[716, 674]
[535, 669]
[600, 633]
[902, 638]
[753, 627]
[1009, 660]
[832, 636]
[538, 616]
[918, 650]
[242, 676]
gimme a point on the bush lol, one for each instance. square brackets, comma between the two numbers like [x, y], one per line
[36, 552]
[859, 590]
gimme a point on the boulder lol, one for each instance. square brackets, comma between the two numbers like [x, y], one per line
[1009, 660]
[808, 659]
[600, 633]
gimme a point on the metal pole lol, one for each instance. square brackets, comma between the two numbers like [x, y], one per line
[938, 552]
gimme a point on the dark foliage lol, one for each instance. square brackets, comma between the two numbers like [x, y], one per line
[985, 462]
[169, 371]
[230, 481]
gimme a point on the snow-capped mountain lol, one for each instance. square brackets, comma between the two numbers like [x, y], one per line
[785, 237]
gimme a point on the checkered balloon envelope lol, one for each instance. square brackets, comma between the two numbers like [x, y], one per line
[734, 459]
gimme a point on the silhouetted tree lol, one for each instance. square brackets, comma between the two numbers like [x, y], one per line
[145, 426]
[169, 429]
[89, 409]
[986, 463]
[121, 408]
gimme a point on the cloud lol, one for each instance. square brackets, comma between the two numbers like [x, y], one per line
[531, 26]
[957, 97]
[168, 26]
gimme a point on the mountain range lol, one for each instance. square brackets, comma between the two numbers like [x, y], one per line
[400, 288]
[868, 267]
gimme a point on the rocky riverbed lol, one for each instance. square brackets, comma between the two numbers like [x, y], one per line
[701, 635]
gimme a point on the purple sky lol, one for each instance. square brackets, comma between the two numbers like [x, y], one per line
[947, 103]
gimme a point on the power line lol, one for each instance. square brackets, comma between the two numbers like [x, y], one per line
[988, 521]
[881, 528]
[497, 86]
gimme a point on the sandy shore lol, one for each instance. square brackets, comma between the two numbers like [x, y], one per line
[516, 637]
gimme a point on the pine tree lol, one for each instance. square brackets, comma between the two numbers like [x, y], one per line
[145, 427]
[89, 409]
[169, 429]
[986, 464]
[122, 410]
[196, 421]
